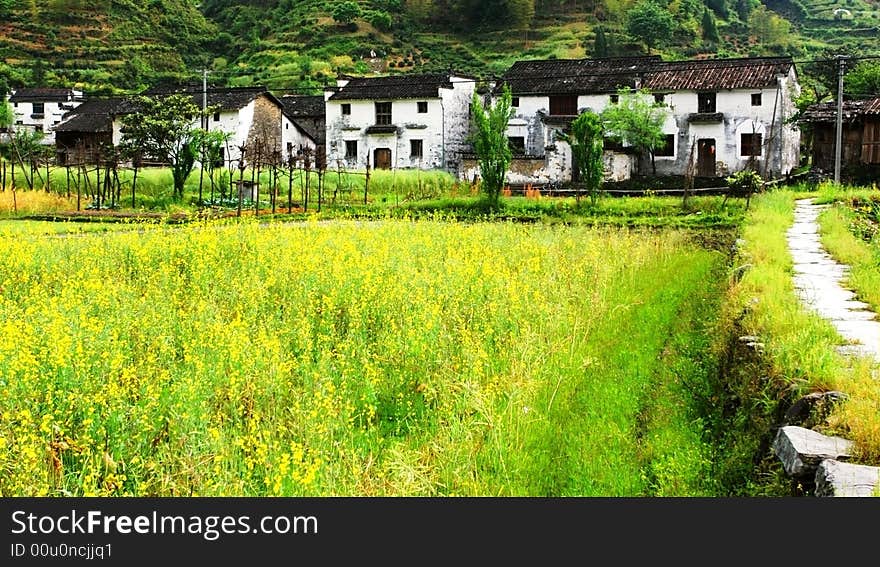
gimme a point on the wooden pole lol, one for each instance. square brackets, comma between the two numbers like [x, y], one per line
[367, 181]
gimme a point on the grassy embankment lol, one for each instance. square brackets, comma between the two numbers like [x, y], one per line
[401, 194]
[800, 347]
[391, 358]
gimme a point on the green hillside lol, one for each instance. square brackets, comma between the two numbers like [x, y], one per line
[301, 45]
[101, 45]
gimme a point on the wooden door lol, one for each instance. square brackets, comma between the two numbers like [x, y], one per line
[706, 157]
[382, 158]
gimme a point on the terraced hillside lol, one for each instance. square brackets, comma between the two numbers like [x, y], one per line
[852, 26]
[301, 45]
[102, 44]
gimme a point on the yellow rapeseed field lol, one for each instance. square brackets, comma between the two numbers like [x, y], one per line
[337, 358]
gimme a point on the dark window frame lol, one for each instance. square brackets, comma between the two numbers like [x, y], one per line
[563, 105]
[610, 144]
[517, 144]
[38, 108]
[422, 107]
[756, 99]
[346, 109]
[751, 144]
[217, 116]
[668, 147]
[659, 98]
[416, 149]
[351, 149]
[707, 102]
[383, 113]
[514, 102]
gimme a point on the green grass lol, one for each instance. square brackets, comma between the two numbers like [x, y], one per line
[800, 346]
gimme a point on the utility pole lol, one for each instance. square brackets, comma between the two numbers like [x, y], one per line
[841, 68]
[204, 98]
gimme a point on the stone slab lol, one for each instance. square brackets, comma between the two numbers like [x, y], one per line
[834, 478]
[801, 450]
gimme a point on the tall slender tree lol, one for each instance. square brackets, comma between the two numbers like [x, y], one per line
[586, 144]
[491, 144]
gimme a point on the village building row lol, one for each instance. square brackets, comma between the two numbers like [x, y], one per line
[42, 109]
[255, 119]
[721, 116]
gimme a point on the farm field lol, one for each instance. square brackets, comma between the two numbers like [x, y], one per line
[358, 358]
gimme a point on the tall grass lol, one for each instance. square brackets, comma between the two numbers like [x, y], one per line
[801, 347]
[849, 232]
[391, 358]
[154, 186]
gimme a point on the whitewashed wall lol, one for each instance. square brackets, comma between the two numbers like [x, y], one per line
[52, 113]
[443, 129]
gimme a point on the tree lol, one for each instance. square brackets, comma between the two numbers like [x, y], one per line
[346, 12]
[650, 23]
[600, 43]
[771, 31]
[163, 128]
[863, 80]
[636, 120]
[586, 151]
[491, 145]
[719, 7]
[210, 144]
[7, 115]
[710, 31]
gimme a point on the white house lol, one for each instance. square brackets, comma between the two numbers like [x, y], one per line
[41, 109]
[721, 115]
[399, 122]
[304, 127]
[251, 115]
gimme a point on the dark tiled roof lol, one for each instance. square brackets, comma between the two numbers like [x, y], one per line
[307, 113]
[393, 87]
[231, 98]
[712, 74]
[295, 106]
[588, 76]
[575, 76]
[94, 115]
[43, 95]
[852, 110]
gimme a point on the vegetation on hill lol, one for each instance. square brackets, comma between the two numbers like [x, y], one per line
[102, 45]
[301, 45]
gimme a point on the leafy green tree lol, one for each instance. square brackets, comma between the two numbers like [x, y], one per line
[719, 7]
[650, 23]
[210, 144]
[710, 31]
[346, 12]
[771, 31]
[7, 115]
[636, 120]
[586, 150]
[491, 145]
[863, 80]
[6, 7]
[744, 9]
[163, 129]
[600, 43]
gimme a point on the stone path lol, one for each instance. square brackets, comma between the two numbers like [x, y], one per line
[817, 278]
